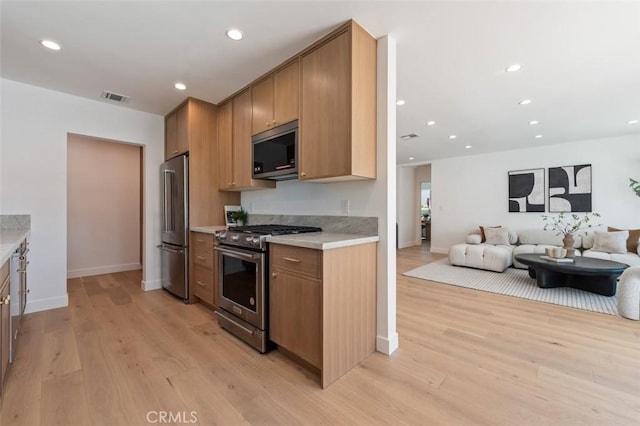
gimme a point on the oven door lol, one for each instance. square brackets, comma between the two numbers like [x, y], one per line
[242, 284]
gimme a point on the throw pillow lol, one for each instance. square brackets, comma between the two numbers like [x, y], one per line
[497, 236]
[632, 241]
[482, 228]
[611, 242]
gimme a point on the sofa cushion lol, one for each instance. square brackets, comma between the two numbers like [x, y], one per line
[630, 259]
[481, 256]
[611, 242]
[632, 241]
[540, 236]
[497, 236]
[474, 239]
[482, 234]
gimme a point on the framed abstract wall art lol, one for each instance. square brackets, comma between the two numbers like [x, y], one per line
[526, 191]
[570, 188]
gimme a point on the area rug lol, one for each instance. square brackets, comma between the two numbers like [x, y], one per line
[513, 282]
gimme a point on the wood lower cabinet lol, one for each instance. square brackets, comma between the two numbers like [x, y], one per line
[275, 99]
[204, 268]
[5, 324]
[322, 305]
[235, 146]
[338, 110]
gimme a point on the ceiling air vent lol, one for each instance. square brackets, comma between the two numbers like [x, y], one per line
[409, 136]
[114, 97]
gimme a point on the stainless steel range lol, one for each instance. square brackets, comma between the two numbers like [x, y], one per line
[243, 283]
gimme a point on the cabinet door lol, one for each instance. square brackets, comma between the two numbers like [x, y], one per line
[203, 286]
[326, 110]
[294, 314]
[170, 136]
[225, 146]
[285, 94]
[242, 166]
[183, 129]
[262, 106]
[5, 331]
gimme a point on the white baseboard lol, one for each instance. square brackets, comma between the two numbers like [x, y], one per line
[150, 285]
[387, 345]
[38, 305]
[111, 269]
[440, 250]
[409, 244]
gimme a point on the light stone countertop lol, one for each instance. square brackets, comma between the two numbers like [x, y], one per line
[322, 240]
[208, 229]
[9, 241]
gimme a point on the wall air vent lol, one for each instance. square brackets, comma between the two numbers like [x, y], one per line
[409, 136]
[114, 97]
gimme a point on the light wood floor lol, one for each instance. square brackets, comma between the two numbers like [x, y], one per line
[465, 357]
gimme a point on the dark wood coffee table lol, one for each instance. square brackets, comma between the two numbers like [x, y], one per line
[586, 273]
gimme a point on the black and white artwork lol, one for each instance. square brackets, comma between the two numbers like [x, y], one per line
[526, 191]
[570, 188]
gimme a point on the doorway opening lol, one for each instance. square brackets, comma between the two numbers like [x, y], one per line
[425, 214]
[104, 206]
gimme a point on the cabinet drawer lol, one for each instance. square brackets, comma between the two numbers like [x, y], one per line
[204, 284]
[202, 242]
[203, 258]
[296, 259]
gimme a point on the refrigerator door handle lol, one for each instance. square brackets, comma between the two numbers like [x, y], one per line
[168, 204]
[164, 248]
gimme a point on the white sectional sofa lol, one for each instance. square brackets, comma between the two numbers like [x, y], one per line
[476, 254]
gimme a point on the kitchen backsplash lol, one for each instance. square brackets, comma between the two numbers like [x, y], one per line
[15, 221]
[340, 224]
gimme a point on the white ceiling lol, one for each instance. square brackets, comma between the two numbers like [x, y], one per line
[581, 60]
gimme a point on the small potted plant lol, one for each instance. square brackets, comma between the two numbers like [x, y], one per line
[240, 217]
[569, 224]
[635, 186]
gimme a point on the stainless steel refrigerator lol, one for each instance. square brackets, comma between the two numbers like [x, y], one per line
[174, 259]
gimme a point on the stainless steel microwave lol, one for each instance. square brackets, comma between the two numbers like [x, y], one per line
[275, 153]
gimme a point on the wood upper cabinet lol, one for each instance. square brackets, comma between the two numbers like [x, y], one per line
[234, 146]
[275, 99]
[322, 305]
[177, 132]
[338, 110]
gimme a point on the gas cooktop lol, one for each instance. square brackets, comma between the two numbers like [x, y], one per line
[254, 236]
[274, 229]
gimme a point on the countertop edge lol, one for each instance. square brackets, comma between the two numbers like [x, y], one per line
[13, 244]
[208, 229]
[354, 240]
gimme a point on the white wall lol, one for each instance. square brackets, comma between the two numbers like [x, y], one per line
[471, 191]
[103, 207]
[357, 198]
[33, 168]
[406, 207]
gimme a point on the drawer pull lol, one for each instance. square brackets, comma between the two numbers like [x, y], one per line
[202, 283]
[274, 274]
[291, 259]
[201, 258]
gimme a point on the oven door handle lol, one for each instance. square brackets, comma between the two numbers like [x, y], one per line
[236, 254]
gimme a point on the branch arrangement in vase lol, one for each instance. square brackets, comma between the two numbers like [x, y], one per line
[567, 223]
[635, 186]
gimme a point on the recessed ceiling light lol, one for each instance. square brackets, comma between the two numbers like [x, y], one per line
[632, 122]
[431, 123]
[538, 136]
[533, 122]
[234, 34]
[400, 102]
[50, 44]
[467, 147]
[525, 102]
[411, 158]
[514, 68]
[180, 86]
[452, 136]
